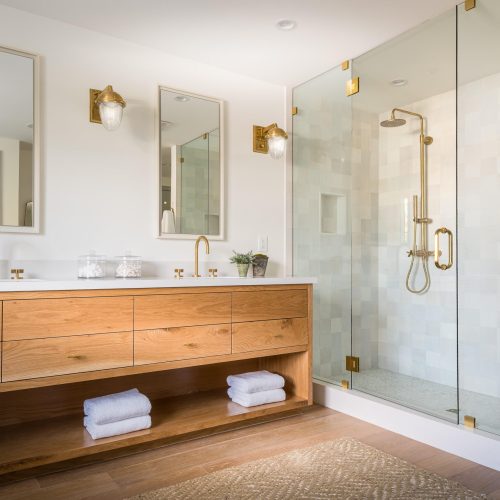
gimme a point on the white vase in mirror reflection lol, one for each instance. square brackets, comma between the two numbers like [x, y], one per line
[168, 222]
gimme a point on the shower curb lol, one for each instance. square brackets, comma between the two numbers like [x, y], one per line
[472, 444]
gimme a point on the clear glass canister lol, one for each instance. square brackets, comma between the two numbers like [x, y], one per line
[128, 266]
[92, 266]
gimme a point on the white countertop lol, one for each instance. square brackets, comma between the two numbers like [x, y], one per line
[28, 285]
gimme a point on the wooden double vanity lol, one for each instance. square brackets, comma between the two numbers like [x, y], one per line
[174, 342]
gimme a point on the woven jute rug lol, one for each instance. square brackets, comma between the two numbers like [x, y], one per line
[342, 469]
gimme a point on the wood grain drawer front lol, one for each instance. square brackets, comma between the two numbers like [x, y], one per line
[254, 306]
[172, 344]
[24, 359]
[41, 318]
[259, 335]
[184, 309]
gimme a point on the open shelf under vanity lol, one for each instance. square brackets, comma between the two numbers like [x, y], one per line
[176, 346]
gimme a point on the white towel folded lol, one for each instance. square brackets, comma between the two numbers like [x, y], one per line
[256, 381]
[115, 407]
[98, 431]
[256, 398]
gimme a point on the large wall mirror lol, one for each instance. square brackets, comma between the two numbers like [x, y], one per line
[19, 145]
[191, 194]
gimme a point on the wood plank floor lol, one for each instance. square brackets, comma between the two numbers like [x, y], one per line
[150, 470]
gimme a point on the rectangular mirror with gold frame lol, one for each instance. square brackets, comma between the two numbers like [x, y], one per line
[19, 142]
[191, 171]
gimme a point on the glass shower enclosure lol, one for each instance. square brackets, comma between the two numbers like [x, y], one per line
[396, 170]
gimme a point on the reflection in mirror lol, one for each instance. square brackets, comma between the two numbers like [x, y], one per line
[191, 201]
[18, 176]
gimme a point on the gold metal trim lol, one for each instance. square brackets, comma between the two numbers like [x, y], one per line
[352, 363]
[345, 65]
[94, 115]
[345, 384]
[470, 4]
[295, 110]
[437, 251]
[470, 422]
[352, 86]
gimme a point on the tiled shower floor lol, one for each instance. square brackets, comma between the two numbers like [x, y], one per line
[432, 398]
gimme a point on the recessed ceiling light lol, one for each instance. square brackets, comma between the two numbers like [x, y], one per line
[286, 24]
[399, 82]
[181, 98]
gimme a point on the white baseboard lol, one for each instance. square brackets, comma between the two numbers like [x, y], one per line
[471, 444]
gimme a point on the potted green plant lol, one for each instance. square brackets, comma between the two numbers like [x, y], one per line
[259, 265]
[242, 261]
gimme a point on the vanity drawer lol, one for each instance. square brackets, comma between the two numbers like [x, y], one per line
[41, 318]
[171, 344]
[259, 335]
[184, 309]
[24, 359]
[276, 304]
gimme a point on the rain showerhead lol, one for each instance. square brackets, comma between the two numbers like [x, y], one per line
[393, 122]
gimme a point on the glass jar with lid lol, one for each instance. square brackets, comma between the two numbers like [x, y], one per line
[91, 266]
[128, 266]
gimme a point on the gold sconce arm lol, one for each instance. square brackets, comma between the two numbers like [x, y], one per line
[437, 251]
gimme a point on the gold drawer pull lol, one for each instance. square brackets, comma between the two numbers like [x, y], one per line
[279, 336]
[437, 251]
[191, 345]
[76, 356]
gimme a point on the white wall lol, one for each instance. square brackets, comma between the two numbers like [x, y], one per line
[99, 187]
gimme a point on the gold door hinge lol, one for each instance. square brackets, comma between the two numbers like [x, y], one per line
[352, 363]
[181, 160]
[345, 384]
[470, 422]
[295, 110]
[345, 65]
[470, 4]
[352, 86]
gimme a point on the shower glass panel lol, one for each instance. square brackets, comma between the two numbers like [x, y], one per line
[321, 214]
[404, 326]
[478, 132]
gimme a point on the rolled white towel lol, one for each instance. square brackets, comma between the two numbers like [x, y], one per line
[98, 431]
[256, 398]
[116, 407]
[256, 381]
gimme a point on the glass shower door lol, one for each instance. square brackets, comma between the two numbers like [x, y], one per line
[321, 214]
[404, 327]
[478, 126]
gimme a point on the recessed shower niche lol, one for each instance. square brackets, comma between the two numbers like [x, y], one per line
[333, 213]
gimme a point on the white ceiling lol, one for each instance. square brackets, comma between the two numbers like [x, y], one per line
[184, 121]
[16, 97]
[240, 35]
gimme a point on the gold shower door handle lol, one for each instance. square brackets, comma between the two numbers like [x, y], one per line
[437, 251]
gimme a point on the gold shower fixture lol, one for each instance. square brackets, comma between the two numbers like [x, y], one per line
[420, 216]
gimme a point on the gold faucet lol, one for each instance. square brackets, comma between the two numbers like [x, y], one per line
[196, 246]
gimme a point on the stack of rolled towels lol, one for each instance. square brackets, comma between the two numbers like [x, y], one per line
[116, 414]
[256, 388]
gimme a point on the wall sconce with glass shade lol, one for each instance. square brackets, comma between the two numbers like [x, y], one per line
[106, 107]
[270, 139]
